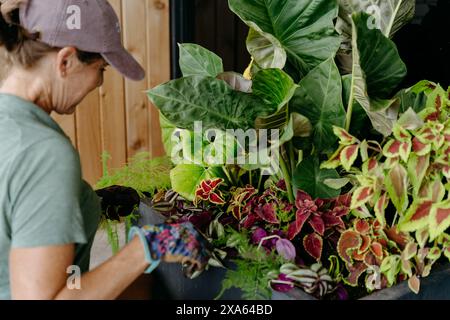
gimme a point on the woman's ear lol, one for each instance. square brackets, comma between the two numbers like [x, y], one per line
[66, 60]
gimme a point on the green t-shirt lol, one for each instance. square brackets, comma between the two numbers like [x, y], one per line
[43, 199]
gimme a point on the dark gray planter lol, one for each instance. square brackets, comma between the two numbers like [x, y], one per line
[171, 284]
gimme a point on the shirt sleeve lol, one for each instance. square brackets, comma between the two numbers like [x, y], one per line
[45, 187]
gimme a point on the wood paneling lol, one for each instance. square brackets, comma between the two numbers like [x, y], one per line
[118, 117]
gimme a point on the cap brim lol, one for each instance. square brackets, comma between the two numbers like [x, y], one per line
[124, 62]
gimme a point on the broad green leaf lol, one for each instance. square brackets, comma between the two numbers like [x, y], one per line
[310, 178]
[410, 99]
[212, 101]
[266, 50]
[377, 71]
[186, 178]
[387, 15]
[236, 81]
[319, 98]
[304, 29]
[396, 183]
[274, 86]
[198, 61]
[167, 130]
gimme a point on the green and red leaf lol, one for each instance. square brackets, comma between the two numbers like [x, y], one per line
[355, 272]
[414, 284]
[345, 138]
[439, 219]
[420, 148]
[400, 238]
[369, 166]
[361, 196]
[348, 242]
[361, 226]
[417, 169]
[422, 236]
[377, 249]
[397, 186]
[313, 244]
[349, 155]
[417, 216]
[392, 149]
[405, 150]
[366, 242]
[380, 208]
[410, 251]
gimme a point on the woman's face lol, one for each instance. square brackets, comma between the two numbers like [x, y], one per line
[74, 80]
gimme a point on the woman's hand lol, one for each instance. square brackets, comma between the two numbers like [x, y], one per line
[179, 243]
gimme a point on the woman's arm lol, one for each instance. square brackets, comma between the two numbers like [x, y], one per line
[40, 273]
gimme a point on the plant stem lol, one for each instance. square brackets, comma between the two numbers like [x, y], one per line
[260, 180]
[350, 102]
[287, 179]
[291, 155]
[227, 173]
[250, 177]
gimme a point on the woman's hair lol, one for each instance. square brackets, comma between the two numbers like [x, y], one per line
[22, 47]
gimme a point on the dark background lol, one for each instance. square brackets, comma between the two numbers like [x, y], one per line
[424, 44]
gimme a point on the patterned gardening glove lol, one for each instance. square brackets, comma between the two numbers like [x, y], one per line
[174, 243]
[118, 201]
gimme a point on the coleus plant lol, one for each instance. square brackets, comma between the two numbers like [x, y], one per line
[410, 173]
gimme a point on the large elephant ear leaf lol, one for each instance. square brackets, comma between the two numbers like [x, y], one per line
[187, 100]
[309, 178]
[319, 98]
[266, 50]
[303, 29]
[274, 86]
[377, 71]
[198, 61]
[388, 15]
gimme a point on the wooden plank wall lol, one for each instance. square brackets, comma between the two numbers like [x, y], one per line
[118, 118]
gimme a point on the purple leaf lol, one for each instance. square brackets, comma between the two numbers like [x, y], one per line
[286, 249]
[258, 235]
[282, 287]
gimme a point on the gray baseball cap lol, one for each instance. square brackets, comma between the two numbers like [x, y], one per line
[88, 25]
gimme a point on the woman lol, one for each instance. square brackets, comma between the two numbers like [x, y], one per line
[58, 51]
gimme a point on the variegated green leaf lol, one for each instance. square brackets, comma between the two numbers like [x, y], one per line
[417, 169]
[397, 186]
[361, 196]
[417, 216]
[380, 208]
[349, 155]
[439, 219]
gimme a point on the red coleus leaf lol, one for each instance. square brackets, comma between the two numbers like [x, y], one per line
[348, 242]
[332, 220]
[417, 216]
[377, 249]
[366, 242]
[296, 226]
[215, 183]
[267, 213]
[216, 199]
[361, 226]
[250, 220]
[302, 198]
[200, 194]
[313, 244]
[206, 186]
[439, 219]
[356, 271]
[400, 238]
[316, 222]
